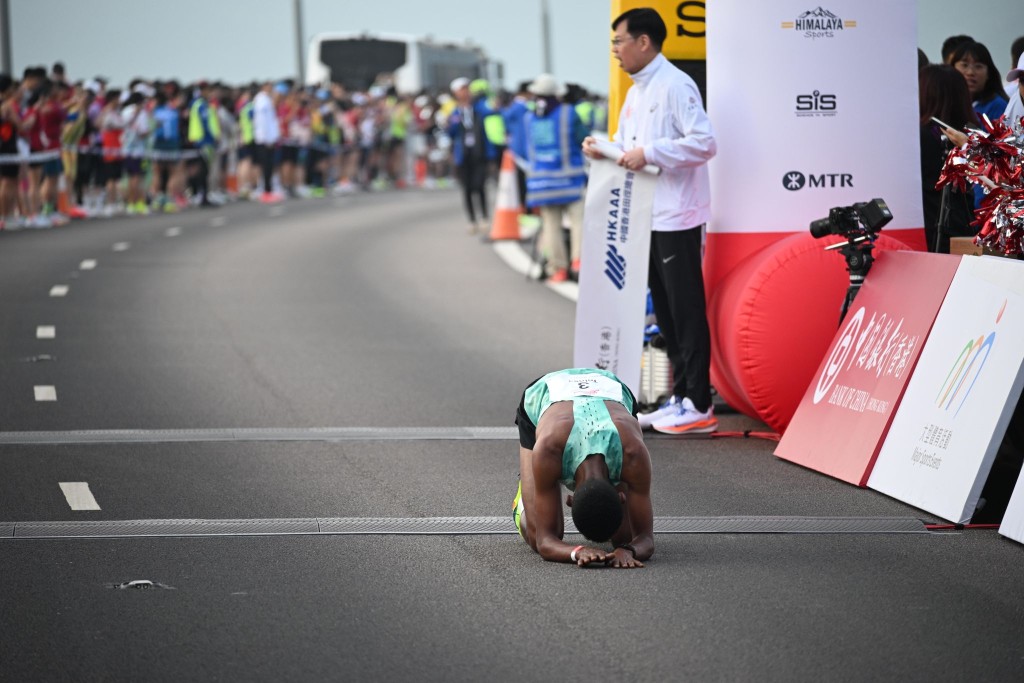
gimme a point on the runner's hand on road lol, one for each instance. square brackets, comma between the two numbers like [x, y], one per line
[622, 558]
[587, 556]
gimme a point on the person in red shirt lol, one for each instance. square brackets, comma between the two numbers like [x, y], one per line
[41, 125]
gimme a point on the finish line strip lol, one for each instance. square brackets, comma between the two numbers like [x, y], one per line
[260, 434]
[439, 526]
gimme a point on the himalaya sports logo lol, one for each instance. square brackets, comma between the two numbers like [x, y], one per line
[615, 267]
[819, 23]
[963, 368]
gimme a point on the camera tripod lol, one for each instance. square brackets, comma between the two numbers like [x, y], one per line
[857, 252]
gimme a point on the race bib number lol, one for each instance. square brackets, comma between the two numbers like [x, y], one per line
[567, 387]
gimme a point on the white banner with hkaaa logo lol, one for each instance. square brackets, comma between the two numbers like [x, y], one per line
[613, 272]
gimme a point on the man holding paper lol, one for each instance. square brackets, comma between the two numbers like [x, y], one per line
[663, 123]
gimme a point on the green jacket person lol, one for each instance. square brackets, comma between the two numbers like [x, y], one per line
[578, 428]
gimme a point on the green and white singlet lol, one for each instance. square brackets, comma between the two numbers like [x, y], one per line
[593, 430]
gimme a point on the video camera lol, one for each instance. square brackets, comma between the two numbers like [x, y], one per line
[859, 224]
[860, 220]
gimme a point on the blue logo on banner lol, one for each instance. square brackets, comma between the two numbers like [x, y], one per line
[615, 267]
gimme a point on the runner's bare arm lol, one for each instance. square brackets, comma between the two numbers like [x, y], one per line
[547, 512]
[636, 474]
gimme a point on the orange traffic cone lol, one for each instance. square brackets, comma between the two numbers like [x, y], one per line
[506, 207]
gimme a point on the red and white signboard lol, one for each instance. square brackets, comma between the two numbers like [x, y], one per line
[958, 402]
[791, 148]
[841, 421]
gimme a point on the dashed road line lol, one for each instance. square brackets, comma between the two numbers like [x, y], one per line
[59, 290]
[78, 495]
[122, 246]
[45, 392]
[173, 232]
[46, 332]
[88, 264]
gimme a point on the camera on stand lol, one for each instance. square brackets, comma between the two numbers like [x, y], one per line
[859, 224]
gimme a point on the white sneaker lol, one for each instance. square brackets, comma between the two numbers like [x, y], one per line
[686, 419]
[648, 419]
[40, 221]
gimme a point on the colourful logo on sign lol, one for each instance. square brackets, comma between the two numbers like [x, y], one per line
[967, 366]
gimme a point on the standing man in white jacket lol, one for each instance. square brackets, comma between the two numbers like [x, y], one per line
[663, 123]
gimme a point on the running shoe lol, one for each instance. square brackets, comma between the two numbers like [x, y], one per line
[667, 408]
[686, 419]
[560, 275]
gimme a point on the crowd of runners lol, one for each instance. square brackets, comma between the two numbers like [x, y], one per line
[77, 149]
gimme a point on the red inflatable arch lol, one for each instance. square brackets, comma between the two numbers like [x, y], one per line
[772, 319]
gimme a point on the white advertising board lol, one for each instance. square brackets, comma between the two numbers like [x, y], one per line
[812, 110]
[967, 382]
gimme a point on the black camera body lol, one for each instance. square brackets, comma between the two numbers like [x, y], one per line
[861, 219]
[859, 224]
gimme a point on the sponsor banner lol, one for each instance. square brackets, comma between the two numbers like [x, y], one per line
[957, 405]
[613, 272]
[840, 128]
[840, 424]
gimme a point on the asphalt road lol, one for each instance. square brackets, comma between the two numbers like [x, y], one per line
[379, 311]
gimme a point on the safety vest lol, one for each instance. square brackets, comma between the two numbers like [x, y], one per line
[556, 174]
[494, 129]
[585, 110]
[245, 123]
[201, 120]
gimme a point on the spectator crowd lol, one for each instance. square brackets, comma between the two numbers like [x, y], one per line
[78, 149]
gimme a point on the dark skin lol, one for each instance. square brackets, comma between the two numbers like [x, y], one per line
[541, 471]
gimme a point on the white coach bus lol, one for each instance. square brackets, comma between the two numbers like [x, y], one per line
[357, 60]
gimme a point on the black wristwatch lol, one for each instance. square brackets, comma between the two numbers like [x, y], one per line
[629, 547]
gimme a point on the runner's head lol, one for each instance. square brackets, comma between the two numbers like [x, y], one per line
[596, 509]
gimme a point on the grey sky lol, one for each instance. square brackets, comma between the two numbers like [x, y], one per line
[239, 40]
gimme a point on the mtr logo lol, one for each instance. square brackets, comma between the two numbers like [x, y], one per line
[967, 366]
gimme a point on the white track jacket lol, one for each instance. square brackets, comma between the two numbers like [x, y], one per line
[664, 114]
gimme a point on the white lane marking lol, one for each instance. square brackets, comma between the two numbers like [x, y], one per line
[79, 496]
[88, 264]
[217, 222]
[173, 232]
[46, 332]
[45, 392]
[513, 254]
[121, 246]
[59, 290]
[277, 212]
